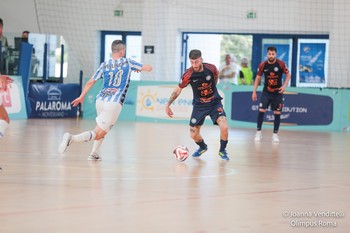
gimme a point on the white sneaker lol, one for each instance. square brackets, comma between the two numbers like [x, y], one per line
[275, 138]
[94, 157]
[66, 141]
[258, 136]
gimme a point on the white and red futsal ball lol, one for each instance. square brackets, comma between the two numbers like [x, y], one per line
[181, 153]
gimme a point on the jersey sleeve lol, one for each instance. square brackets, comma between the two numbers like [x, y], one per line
[98, 73]
[283, 66]
[261, 68]
[134, 65]
[185, 79]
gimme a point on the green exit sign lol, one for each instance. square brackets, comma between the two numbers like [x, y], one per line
[251, 15]
[118, 13]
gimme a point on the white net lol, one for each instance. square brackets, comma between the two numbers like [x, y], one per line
[163, 21]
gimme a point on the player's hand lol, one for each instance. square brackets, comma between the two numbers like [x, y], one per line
[254, 96]
[168, 111]
[5, 82]
[77, 101]
[281, 89]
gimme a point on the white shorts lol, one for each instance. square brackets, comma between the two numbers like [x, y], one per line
[107, 114]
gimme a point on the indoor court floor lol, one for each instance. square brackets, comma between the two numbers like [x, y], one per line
[301, 184]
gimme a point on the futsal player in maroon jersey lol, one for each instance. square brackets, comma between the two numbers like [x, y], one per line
[203, 78]
[272, 94]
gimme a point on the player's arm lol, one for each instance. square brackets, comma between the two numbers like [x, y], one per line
[283, 88]
[286, 81]
[257, 80]
[147, 68]
[86, 89]
[174, 95]
[256, 84]
[285, 84]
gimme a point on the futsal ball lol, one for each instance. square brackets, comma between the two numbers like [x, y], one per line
[181, 153]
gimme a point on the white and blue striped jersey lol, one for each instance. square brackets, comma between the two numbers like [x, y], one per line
[116, 78]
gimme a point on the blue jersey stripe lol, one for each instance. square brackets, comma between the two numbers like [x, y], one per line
[116, 78]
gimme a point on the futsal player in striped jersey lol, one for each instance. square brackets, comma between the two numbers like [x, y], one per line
[5, 81]
[116, 78]
[203, 78]
[272, 93]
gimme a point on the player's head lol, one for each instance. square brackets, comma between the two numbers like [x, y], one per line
[196, 60]
[118, 47]
[271, 53]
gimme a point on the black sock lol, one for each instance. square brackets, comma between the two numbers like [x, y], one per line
[202, 144]
[260, 120]
[223, 144]
[276, 123]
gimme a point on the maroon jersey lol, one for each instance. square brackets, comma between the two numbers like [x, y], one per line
[203, 84]
[273, 74]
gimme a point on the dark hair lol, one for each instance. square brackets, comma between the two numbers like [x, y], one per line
[194, 54]
[25, 32]
[117, 45]
[1, 22]
[272, 48]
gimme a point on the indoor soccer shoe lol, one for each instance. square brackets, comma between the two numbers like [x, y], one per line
[223, 155]
[94, 157]
[199, 152]
[258, 136]
[275, 138]
[66, 141]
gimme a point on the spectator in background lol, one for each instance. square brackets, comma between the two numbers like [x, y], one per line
[25, 35]
[4, 46]
[3, 39]
[245, 74]
[228, 71]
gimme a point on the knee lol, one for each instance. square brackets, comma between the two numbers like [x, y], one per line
[100, 135]
[224, 128]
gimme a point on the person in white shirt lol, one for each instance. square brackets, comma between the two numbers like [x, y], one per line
[228, 71]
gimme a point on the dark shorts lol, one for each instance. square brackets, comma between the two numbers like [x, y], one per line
[273, 99]
[199, 113]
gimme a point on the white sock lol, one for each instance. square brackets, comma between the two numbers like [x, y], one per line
[3, 126]
[84, 136]
[96, 146]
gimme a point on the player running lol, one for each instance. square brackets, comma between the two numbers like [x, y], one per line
[116, 78]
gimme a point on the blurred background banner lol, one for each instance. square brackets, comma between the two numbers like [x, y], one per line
[14, 101]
